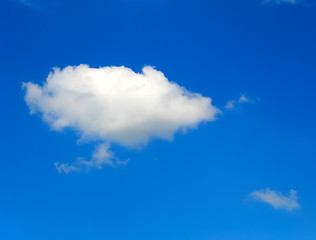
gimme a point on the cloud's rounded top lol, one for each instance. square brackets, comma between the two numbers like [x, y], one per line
[115, 104]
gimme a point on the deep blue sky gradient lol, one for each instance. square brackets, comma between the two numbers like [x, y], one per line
[194, 187]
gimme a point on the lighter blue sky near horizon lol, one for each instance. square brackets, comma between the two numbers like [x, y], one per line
[249, 174]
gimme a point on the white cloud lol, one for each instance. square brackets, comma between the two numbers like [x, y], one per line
[283, 1]
[100, 157]
[232, 103]
[276, 199]
[117, 105]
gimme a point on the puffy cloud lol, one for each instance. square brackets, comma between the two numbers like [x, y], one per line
[116, 105]
[276, 199]
[232, 103]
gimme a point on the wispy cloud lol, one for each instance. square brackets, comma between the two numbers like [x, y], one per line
[101, 157]
[277, 199]
[28, 3]
[232, 103]
[293, 2]
[36, 4]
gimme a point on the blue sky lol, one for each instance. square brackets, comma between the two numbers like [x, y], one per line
[246, 171]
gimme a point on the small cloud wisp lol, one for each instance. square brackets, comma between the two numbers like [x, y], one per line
[293, 2]
[231, 104]
[277, 199]
[101, 157]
